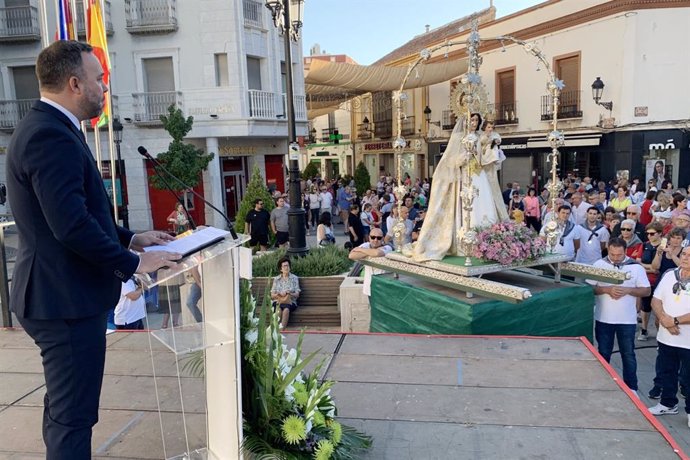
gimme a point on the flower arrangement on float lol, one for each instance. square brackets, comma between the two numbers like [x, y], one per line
[508, 243]
[287, 414]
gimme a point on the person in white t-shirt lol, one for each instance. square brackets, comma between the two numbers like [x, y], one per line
[615, 313]
[593, 237]
[671, 304]
[374, 248]
[130, 310]
[326, 200]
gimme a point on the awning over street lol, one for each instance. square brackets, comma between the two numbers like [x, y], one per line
[329, 84]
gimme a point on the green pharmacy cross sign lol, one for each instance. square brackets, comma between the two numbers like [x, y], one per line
[335, 137]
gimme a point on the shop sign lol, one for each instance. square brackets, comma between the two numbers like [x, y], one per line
[228, 151]
[513, 146]
[381, 146]
[663, 140]
[641, 111]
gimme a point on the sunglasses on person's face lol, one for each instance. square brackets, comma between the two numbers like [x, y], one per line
[651, 233]
[631, 213]
[375, 237]
[626, 229]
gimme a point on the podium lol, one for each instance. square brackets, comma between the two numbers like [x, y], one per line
[192, 318]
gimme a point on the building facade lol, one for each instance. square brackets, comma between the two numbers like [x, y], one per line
[221, 62]
[632, 46]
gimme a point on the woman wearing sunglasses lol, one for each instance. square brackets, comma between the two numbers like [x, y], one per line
[649, 250]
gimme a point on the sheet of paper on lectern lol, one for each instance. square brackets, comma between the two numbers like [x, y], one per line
[195, 242]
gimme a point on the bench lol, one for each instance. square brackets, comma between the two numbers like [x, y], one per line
[318, 301]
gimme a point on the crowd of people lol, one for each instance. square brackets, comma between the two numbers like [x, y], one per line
[618, 225]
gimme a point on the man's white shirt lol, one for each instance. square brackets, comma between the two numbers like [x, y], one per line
[624, 310]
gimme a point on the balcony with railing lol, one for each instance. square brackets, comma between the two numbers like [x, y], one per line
[328, 133]
[383, 129]
[151, 16]
[148, 107]
[448, 120]
[13, 111]
[81, 28]
[300, 104]
[253, 13]
[407, 127]
[568, 107]
[262, 104]
[19, 24]
[365, 131]
[506, 113]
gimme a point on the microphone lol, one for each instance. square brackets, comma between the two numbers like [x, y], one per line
[143, 152]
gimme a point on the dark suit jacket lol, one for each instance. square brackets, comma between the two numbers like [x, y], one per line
[72, 257]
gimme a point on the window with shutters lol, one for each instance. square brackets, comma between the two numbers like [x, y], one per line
[505, 108]
[566, 68]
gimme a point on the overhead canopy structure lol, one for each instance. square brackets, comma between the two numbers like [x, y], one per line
[329, 84]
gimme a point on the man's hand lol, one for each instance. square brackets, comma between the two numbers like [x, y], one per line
[153, 237]
[618, 292]
[152, 261]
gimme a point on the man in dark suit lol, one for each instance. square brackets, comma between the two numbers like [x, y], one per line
[72, 257]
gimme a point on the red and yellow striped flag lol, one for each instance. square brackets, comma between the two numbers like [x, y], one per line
[97, 39]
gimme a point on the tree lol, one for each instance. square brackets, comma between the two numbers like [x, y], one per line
[362, 178]
[183, 160]
[310, 171]
[256, 188]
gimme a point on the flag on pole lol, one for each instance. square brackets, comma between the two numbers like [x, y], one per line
[97, 39]
[65, 28]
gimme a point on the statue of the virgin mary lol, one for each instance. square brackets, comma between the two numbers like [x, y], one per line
[476, 154]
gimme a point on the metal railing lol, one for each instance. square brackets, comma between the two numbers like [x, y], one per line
[326, 135]
[148, 107]
[81, 27]
[13, 111]
[262, 104]
[448, 120]
[144, 16]
[253, 13]
[407, 128]
[505, 113]
[383, 129]
[569, 105]
[19, 23]
[300, 105]
[365, 132]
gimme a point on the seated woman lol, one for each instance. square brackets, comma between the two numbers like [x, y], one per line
[285, 291]
[324, 231]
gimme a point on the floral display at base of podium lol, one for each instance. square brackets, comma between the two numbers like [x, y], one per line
[508, 243]
[286, 413]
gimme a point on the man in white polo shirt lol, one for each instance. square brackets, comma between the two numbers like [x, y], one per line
[374, 248]
[671, 304]
[615, 312]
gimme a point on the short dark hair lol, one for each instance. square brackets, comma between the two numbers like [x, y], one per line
[282, 260]
[677, 231]
[325, 218]
[617, 242]
[564, 206]
[257, 201]
[60, 61]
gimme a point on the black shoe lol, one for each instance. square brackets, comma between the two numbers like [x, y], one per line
[654, 393]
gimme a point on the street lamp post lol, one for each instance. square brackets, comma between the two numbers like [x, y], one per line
[117, 138]
[290, 31]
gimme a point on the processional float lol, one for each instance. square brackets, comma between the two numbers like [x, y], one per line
[468, 97]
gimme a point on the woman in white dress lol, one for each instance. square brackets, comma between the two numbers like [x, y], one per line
[440, 234]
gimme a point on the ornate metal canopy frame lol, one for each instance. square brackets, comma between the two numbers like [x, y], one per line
[469, 97]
